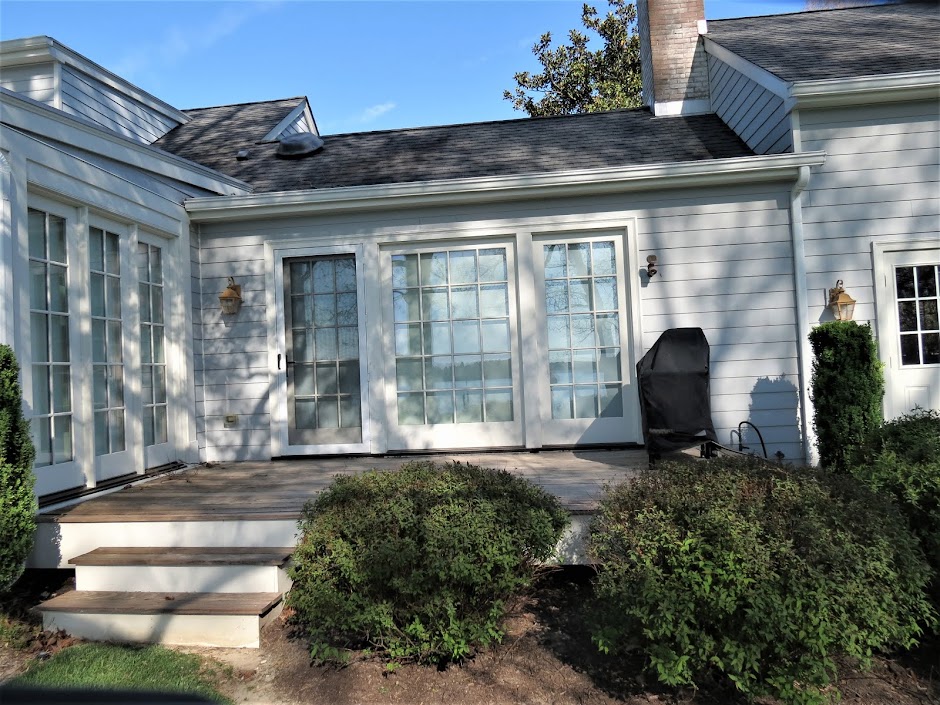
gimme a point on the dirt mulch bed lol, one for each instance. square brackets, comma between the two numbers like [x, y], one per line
[546, 658]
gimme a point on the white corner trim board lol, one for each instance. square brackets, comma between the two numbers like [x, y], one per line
[773, 167]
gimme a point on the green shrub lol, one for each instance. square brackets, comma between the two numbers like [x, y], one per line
[418, 564]
[17, 501]
[847, 388]
[758, 574]
[902, 458]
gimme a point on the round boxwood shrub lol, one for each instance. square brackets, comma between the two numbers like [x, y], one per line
[902, 458]
[757, 574]
[17, 501]
[418, 564]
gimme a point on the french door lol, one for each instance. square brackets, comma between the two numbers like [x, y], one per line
[452, 364]
[321, 366]
[908, 291]
[586, 375]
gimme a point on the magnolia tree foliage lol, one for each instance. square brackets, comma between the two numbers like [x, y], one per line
[578, 79]
[17, 501]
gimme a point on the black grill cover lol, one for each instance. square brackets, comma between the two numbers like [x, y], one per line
[674, 391]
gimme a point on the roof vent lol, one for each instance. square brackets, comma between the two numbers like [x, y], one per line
[299, 145]
[242, 155]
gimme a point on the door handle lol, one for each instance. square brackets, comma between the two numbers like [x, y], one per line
[279, 361]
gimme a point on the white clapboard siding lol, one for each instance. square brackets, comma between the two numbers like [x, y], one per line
[726, 266]
[298, 126]
[90, 98]
[754, 113]
[880, 184]
[35, 81]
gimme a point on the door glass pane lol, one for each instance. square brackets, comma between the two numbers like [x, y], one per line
[152, 338]
[918, 320]
[108, 342]
[51, 390]
[323, 383]
[583, 330]
[459, 310]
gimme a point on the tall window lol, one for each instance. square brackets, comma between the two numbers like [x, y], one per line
[917, 295]
[107, 341]
[49, 339]
[583, 322]
[152, 359]
[452, 340]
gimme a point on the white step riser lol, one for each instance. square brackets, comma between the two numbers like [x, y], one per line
[227, 631]
[57, 543]
[229, 578]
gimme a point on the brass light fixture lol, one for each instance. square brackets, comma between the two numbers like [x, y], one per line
[651, 266]
[231, 298]
[841, 304]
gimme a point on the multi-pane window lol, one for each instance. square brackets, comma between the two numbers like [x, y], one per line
[152, 358]
[49, 339]
[583, 330]
[452, 336]
[917, 299]
[324, 328]
[107, 359]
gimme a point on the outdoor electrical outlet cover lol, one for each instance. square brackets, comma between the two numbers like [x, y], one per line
[231, 419]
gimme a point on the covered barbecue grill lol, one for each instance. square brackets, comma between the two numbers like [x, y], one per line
[675, 402]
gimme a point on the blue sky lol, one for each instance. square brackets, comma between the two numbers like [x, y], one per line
[364, 65]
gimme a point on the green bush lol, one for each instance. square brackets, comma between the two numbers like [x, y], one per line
[418, 564]
[17, 501]
[902, 458]
[758, 574]
[847, 388]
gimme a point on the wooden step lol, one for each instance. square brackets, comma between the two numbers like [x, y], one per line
[230, 620]
[183, 556]
[207, 603]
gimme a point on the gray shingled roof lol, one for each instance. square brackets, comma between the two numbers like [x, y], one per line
[527, 146]
[862, 41]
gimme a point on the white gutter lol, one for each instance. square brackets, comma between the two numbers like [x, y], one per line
[503, 188]
[834, 92]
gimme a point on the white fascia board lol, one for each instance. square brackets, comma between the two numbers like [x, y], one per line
[673, 108]
[760, 76]
[43, 121]
[837, 92]
[274, 134]
[32, 50]
[504, 188]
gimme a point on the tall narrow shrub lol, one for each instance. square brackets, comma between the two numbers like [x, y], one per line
[17, 501]
[847, 389]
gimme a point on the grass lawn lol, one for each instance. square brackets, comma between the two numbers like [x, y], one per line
[150, 668]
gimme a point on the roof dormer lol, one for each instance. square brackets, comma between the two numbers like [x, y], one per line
[47, 71]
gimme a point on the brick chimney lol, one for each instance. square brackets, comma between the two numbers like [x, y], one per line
[675, 76]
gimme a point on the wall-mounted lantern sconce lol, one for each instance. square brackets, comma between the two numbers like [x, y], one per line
[231, 298]
[841, 304]
[651, 266]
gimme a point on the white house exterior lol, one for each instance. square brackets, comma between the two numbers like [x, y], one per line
[472, 286]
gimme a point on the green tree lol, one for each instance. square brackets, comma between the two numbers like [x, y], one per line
[17, 501]
[577, 79]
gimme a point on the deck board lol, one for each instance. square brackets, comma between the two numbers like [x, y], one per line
[279, 489]
[107, 602]
[183, 556]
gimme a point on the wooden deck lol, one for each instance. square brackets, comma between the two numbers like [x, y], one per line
[278, 489]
